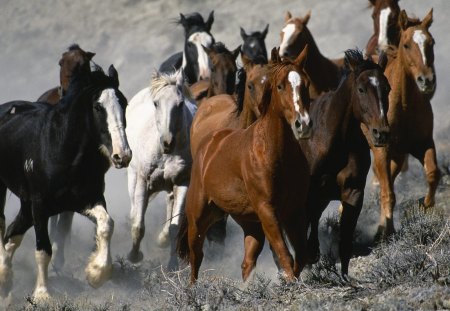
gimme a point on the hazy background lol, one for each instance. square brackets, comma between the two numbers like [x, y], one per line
[136, 36]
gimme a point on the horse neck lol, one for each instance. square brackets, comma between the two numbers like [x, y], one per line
[247, 117]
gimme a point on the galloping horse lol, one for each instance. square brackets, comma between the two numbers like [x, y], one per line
[159, 118]
[411, 74]
[193, 59]
[386, 30]
[337, 151]
[74, 57]
[257, 175]
[254, 47]
[323, 73]
[53, 164]
[223, 73]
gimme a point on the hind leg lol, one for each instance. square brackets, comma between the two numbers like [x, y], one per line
[315, 209]
[99, 268]
[61, 229]
[139, 196]
[296, 230]
[253, 245]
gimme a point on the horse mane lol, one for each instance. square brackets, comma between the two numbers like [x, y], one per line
[161, 80]
[240, 90]
[73, 47]
[360, 64]
[193, 19]
[220, 48]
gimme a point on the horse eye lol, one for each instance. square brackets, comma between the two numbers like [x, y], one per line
[279, 87]
[406, 46]
[250, 86]
[155, 103]
[361, 90]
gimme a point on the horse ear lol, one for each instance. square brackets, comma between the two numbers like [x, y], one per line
[265, 31]
[210, 20]
[403, 20]
[306, 18]
[112, 72]
[183, 20]
[301, 58]
[288, 16]
[428, 20]
[274, 56]
[373, 2]
[382, 60]
[243, 34]
[207, 50]
[90, 55]
[235, 52]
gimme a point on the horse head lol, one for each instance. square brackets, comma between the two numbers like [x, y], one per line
[416, 48]
[294, 35]
[290, 93]
[197, 34]
[370, 94]
[254, 46]
[223, 69]
[385, 22]
[108, 106]
[168, 93]
[72, 58]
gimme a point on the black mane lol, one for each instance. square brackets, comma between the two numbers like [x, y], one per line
[362, 64]
[240, 89]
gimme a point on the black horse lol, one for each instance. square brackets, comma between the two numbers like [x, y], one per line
[193, 59]
[254, 46]
[54, 158]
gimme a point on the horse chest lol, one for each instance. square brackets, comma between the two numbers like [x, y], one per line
[166, 172]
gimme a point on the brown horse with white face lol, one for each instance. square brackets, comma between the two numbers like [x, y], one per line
[323, 73]
[411, 74]
[257, 175]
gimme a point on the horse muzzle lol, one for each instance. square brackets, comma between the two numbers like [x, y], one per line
[380, 136]
[426, 84]
[122, 159]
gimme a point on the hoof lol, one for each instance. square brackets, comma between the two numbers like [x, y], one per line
[97, 275]
[41, 294]
[173, 264]
[135, 257]
[163, 240]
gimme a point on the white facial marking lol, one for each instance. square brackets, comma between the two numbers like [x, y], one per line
[13, 110]
[382, 34]
[199, 39]
[295, 80]
[263, 79]
[288, 31]
[420, 38]
[374, 81]
[28, 165]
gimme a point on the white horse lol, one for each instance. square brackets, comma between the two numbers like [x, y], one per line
[158, 120]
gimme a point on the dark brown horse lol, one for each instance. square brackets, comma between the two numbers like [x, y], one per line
[73, 57]
[223, 73]
[257, 175]
[411, 74]
[337, 151]
[323, 73]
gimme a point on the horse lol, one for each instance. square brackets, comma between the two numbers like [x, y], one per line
[411, 74]
[338, 153]
[223, 73]
[385, 25]
[159, 118]
[258, 175]
[57, 162]
[72, 58]
[254, 47]
[323, 73]
[193, 59]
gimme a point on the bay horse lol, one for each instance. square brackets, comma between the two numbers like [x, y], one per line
[338, 153]
[53, 164]
[254, 47]
[412, 76]
[74, 57]
[324, 74]
[223, 73]
[159, 118]
[258, 175]
[386, 30]
[193, 59]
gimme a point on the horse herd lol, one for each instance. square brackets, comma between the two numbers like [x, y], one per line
[269, 144]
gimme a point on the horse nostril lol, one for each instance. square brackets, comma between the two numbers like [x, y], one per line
[116, 158]
[420, 79]
[376, 133]
[297, 124]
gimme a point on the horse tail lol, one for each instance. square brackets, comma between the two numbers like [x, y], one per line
[182, 238]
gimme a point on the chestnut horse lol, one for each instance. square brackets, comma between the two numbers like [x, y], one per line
[337, 151]
[258, 175]
[223, 73]
[411, 74]
[323, 73]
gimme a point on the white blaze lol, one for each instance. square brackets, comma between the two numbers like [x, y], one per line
[374, 81]
[382, 34]
[295, 80]
[199, 39]
[420, 38]
[288, 31]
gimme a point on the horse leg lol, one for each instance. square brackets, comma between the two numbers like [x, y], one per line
[164, 236]
[297, 231]
[383, 172]
[253, 246]
[427, 157]
[63, 227]
[178, 208]
[274, 235]
[315, 208]
[139, 196]
[99, 268]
